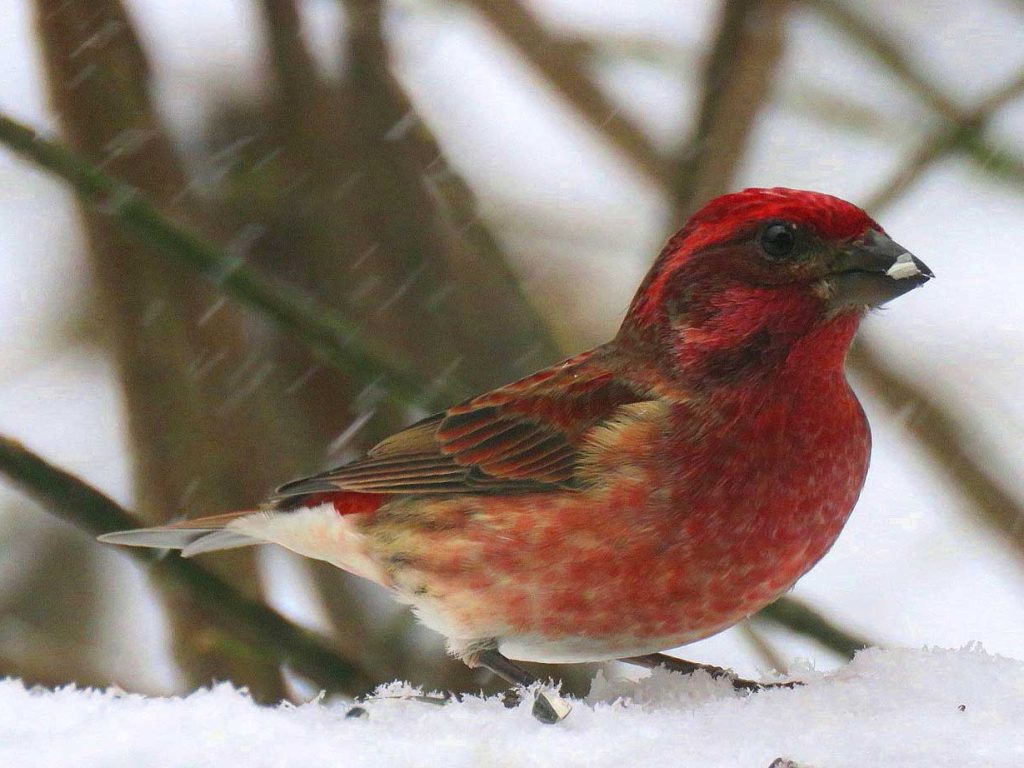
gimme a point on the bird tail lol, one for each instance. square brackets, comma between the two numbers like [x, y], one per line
[192, 537]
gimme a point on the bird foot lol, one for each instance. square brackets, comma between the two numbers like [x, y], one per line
[548, 707]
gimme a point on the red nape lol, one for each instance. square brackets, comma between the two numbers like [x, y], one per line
[346, 502]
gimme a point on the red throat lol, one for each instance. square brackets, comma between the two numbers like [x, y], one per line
[748, 334]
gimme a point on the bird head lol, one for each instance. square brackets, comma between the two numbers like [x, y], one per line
[757, 277]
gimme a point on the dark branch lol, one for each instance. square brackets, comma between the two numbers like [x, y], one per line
[800, 618]
[946, 438]
[737, 82]
[296, 78]
[259, 628]
[567, 74]
[330, 335]
[890, 52]
[963, 133]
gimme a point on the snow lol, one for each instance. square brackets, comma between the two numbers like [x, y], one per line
[887, 708]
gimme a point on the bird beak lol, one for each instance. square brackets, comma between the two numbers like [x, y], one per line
[873, 270]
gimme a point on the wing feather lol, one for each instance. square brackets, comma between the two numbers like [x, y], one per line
[522, 437]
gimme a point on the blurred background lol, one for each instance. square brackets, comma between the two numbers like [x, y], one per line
[477, 187]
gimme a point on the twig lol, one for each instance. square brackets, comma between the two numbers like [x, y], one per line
[297, 79]
[333, 337]
[261, 629]
[942, 433]
[800, 618]
[809, 100]
[97, 78]
[963, 132]
[568, 75]
[433, 219]
[763, 647]
[937, 429]
[736, 83]
[477, 251]
[890, 52]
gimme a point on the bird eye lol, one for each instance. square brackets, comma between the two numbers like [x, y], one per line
[778, 240]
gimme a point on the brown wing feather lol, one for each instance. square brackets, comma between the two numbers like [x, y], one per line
[522, 437]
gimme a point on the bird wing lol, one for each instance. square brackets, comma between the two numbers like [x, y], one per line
[522, 437]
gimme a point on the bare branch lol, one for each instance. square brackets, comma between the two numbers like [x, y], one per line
[330, 335]
[891, 53]
[935, 426]
[97, 78]
[763, 647]
[943, 434]
[297, 79]
[800, 618]
[567, 73]
[965, 131]
[737, 82]
[261, 629]
[423, 213]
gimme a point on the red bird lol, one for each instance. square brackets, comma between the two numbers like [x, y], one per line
[642, 495]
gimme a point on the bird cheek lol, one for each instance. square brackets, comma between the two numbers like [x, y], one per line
[826, 290]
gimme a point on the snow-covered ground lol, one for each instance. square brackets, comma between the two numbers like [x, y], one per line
[886, 709]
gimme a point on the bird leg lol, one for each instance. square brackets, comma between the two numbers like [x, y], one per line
[654, 660]
[547, 707]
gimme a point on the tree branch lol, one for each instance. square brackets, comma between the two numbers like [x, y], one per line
[888, 50]
[297, 79]
[261, 629]
[567, 74]
[800, 618]
[891, 53]
[942, 434]
[327, 333]
[938, 429]
[184, 442]
[964, 132]
[737, 82]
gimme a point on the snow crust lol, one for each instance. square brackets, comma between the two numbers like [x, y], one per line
[888, 708]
